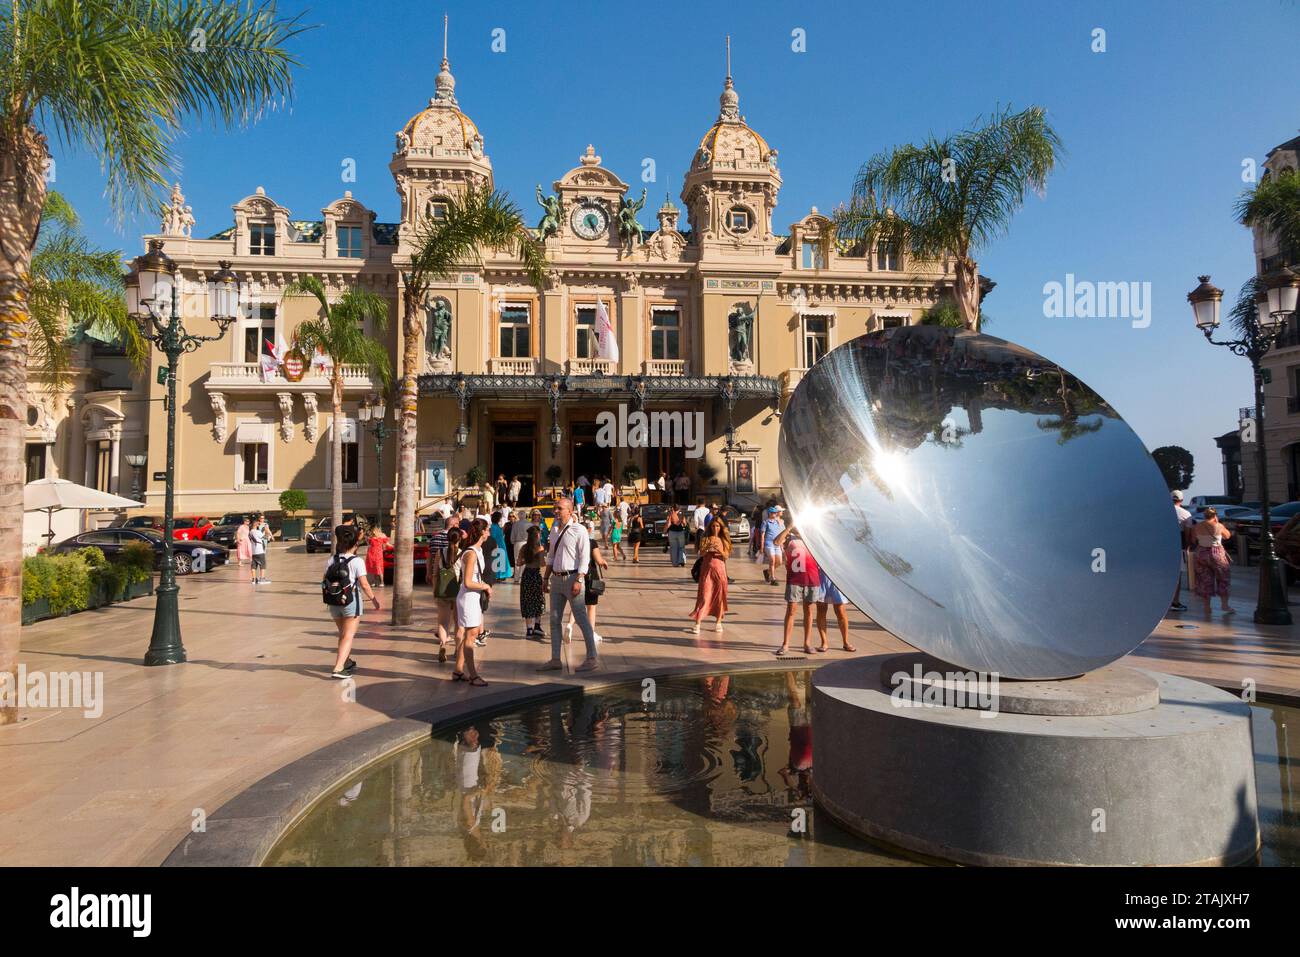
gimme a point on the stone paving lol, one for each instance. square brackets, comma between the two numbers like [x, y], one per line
[122, 788]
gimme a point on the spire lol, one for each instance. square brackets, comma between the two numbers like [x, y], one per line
[444, 84]
[729, 102]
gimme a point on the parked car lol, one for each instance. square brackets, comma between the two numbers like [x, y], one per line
[1248, 525]
[224, 531]
[190, 528]
[320, 537]
[420, 553]
[655, 516]
[113, 540]
[737, 524]
[1197, 503]
[138, 521]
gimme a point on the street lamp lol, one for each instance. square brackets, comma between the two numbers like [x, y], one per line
[372, 414]
[1259, 336]
[136, 460]
[153, 301]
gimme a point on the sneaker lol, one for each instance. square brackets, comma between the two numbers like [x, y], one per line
[591, 664]
[552, 665]
[1178, 606]
[480, 641]
[595, 636]
[348, 670]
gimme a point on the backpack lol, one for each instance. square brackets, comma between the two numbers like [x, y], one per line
[448, 585]
[337, 587]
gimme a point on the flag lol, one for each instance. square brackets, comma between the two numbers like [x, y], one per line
[606, 345]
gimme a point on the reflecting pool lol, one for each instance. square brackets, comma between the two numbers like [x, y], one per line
[713, 771]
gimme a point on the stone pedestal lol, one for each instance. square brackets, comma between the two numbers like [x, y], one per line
[1082, 771]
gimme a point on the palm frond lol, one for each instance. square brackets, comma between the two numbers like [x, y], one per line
[1274, 204]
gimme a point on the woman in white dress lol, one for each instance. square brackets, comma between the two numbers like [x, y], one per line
[469, 603]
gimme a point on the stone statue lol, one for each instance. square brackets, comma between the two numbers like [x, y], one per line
[437, 328]
[741, 325]
[173, 213]
[403, 141]
[187, 221]
[550, 224]
[629, 230]
[703, 157]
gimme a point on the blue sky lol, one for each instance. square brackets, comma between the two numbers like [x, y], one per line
[1156, 129]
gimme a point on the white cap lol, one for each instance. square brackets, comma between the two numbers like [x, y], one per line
[1177, 495]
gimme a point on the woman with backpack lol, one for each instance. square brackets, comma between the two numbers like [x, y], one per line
[532, 599]
[446, 586]
[473, 595]
[342, 587]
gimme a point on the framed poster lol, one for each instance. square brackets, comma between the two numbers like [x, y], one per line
[435, 478]
[744, 476]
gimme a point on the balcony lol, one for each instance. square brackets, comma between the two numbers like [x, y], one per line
[501, 365]
[1292, 404]
[247, 377]
[790, 379]
[591, 367]
[665, 367]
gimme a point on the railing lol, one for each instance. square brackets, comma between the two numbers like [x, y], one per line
[499, 365]
[667, 367]
[250, 373]
[591, 366]
[1292, 404]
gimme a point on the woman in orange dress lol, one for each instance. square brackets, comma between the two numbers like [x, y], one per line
[711, 594]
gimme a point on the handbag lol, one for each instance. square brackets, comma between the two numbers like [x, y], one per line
[695, 569]
[595, 582]
[448, 583]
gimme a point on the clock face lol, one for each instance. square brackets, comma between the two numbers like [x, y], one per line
[589, 219]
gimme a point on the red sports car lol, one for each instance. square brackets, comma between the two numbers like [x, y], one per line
[421, 553]
[192, 528]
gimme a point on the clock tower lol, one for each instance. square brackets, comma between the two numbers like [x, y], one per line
[590, 197]
[731, 187]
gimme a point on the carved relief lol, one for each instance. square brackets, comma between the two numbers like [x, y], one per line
[286, 415]
[309, 405]
[218, 401]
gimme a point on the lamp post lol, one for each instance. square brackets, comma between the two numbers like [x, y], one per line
[153, 300]
[1259, 335]
[136, 460]
[373, 415]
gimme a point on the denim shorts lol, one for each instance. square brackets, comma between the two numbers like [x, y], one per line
[351, 610]
[829, 594]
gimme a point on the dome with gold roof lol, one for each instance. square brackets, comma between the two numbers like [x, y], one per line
[731, 143]
[441, 128]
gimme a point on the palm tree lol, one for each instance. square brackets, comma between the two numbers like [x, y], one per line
[952, 196]
[118, 79]
[1274, 204]
[74, 286]
[340, 333]
[479, 218]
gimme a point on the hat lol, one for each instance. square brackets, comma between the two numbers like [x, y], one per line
[774, 509]
[1177, 496]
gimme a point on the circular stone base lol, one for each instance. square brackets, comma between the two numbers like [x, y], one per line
[1170, 785]
[1110, 690]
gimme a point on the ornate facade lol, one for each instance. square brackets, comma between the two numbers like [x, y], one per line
[714, 312]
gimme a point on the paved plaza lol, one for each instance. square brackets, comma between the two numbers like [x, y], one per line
[123, 788]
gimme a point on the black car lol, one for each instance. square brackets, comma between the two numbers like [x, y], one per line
[139, 521]
[320, 537]
[113, 540]
[223, 532]
[655, 516]
[1247, 524]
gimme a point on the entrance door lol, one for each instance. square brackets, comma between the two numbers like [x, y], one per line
[512, 455]
[590, 458]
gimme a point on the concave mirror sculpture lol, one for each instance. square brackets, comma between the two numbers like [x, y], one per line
[979, 502]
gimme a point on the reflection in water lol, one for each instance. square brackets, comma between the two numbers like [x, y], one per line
[979, 502]
[718, 771]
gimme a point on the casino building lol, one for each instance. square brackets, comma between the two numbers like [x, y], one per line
[714, 313]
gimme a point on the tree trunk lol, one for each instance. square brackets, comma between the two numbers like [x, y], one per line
[22, 194]
[967, 291]
[336, 446]
[407, 492]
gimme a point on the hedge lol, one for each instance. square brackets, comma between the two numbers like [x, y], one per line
[71, 582]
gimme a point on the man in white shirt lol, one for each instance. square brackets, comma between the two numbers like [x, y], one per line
[519, 535]
[516, 487]
[1185, 521]
[623, 510]
[603, 495]
[699, 521]
[568, 558]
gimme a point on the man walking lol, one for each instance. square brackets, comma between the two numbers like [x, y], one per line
[699, 522]
[1185, 521]
[773, 526]
[568, 559]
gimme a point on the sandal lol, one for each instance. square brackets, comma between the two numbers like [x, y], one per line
[458, 676]
[849, 648]
[477, 682]
[442, 654]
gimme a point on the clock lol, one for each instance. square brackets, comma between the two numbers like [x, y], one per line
[589, 219]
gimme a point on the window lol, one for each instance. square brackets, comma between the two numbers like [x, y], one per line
[349, 242]
[816, 339]
[515, 335]
[35, 461]
[261, 239]
[584, 346]
[437, 210]
[812, 255]
[891, 322]
[665, 333]
[256, 458]
[103, 465]
[887, 257]
[739, 219]
[351, 463]
[258, 338]
[100, 538]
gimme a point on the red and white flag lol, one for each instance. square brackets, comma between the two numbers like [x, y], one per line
[606, 344]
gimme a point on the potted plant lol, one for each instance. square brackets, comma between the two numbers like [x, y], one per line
[476, 477]
[708, 473]
[293, 500]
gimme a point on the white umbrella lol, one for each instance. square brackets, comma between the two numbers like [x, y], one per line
[51, 495]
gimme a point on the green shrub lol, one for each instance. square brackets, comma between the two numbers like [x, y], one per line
[93, 557]
[65, 581]
[476, 476]
[38, 573]
[293, 500]
[111, 577]
[138, 559]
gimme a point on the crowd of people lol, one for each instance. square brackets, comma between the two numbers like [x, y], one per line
[560, 566]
